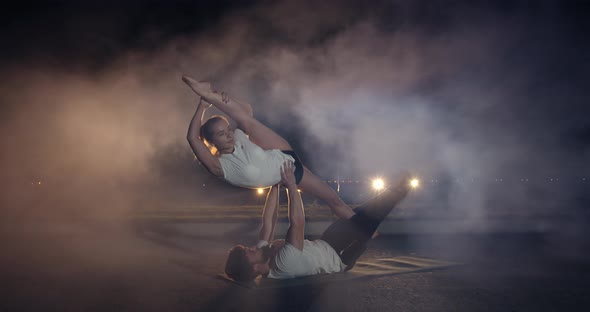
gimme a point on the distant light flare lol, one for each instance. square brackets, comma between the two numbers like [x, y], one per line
[378, 184]
[414, 183]
[260, 191]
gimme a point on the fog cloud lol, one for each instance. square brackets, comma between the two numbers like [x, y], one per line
[366, 89]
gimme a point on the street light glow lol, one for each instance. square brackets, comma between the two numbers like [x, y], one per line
[414, 183]
[378, 184]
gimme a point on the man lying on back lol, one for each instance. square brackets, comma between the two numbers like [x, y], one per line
[337, 250]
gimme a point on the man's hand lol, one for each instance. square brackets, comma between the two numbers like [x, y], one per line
[288, 175]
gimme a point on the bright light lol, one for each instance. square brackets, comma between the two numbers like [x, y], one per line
[378, 184]
[260, 191]
[298, 190]
[414, 183]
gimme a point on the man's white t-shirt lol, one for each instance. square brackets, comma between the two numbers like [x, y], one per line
[250, 166]
[317, 257]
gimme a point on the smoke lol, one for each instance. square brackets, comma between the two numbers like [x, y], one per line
[457, 99]
[467, 96]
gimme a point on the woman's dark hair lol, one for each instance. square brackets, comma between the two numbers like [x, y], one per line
[237, 266]
[206, 131]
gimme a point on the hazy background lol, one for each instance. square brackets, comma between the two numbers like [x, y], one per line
[486, 98]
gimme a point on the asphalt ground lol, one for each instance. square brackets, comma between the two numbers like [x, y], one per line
[154, 266]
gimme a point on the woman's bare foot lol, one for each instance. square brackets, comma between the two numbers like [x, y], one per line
[203, 89]
[221, 100]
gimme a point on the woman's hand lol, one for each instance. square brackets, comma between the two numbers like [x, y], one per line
[224, 97]
[204, 104]
[288, 175]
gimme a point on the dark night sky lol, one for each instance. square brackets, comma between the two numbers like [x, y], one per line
[454, 87]
[93, 33]
[90, 33]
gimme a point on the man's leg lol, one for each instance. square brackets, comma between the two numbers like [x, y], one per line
[349, 236]
[369, 216]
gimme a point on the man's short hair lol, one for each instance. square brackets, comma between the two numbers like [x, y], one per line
[237, 266]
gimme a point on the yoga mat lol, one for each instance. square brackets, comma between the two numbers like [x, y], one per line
[369, 268]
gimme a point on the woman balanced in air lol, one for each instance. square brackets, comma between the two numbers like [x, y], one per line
[250, 156]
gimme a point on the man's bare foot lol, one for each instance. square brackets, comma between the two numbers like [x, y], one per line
[402, 188]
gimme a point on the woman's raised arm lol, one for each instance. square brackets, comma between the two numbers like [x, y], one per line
[198, 146]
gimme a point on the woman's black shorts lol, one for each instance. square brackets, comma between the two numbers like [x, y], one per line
[298, 166]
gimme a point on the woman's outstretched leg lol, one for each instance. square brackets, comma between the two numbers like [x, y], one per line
[241, 113]
[245, 106]
[313, 185]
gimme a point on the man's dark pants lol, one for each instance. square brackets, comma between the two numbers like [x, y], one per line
[350, 236]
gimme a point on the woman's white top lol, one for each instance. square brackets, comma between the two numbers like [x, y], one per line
[250, 166]
[317, 257]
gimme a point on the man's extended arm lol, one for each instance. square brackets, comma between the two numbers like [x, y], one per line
[295, 233]
[269, 215]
